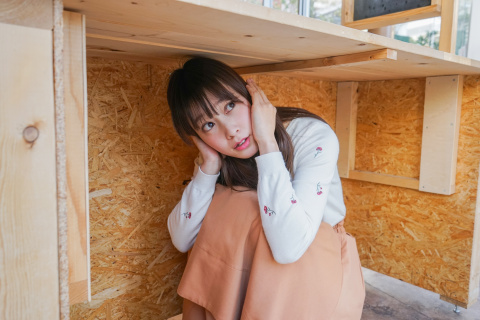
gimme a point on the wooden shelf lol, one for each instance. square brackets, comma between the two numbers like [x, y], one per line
[243, 35]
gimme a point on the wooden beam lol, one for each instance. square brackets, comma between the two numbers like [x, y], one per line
[347, 11]
[395, 18]
[76, 148]
[27, 13]
[29, 272]
[346, 126]
[448, 27]
[345, 60]
[441, 125]
[387, 179]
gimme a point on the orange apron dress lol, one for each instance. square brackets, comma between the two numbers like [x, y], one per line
[231, 273]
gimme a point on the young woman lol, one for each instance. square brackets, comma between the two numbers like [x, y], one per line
[263, 214]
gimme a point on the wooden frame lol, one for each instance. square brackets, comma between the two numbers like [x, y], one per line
[443, 96]
[434, 10]
[447, 9]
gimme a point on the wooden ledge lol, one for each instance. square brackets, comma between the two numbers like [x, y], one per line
[345, 60]
[388, 179]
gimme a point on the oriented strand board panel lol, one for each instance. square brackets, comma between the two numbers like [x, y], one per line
[243, 34]
[421, 238]
[137, 166]
[29, 285]
[77, 171]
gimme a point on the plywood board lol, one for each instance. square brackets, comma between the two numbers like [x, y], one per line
[28, 196]
[421, 238]
[243, 34]
[76, 148]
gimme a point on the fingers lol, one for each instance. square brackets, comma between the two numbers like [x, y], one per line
[256, 93]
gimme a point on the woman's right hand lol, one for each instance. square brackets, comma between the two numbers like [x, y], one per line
[210, 159]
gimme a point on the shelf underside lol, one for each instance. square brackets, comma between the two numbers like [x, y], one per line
[243, 34]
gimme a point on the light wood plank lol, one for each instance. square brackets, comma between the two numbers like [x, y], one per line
[395, 18]
[242, 34]
[28, 13]
[441, 125]
[387, 179]
[346, 126]
[344, 61]
[76, 148]
[448, 27]
[348, 8]
[474, 288]
[29, 275]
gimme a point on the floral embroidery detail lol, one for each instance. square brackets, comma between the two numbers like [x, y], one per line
[187, 215]
[292, 200]
[319, 150]
[319, 189]
[268, 211]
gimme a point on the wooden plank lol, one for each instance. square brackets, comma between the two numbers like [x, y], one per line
[28, 13]
[388, 179]
[29, 275]
[441, 125]
[448, 27]
[242, 34]
[344, 61]
[346, 126]
[76, 148]
[347, 11]
[395, 18]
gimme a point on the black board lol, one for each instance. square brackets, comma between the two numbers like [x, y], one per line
[364, 9]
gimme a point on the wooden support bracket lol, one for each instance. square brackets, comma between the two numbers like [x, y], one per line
[443, 96]
[441, 125]
[345, 60]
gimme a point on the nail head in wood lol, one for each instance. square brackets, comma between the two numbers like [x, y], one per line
[30, 134]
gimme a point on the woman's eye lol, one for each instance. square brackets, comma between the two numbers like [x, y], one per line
[208, 126]
[230, 106]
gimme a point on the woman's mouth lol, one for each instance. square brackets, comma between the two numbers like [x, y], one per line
[243, 144]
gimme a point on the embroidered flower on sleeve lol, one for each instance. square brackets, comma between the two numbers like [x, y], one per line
[268, 211]
[292, 200]
[187, 215]
[318, 151]
[319, 189]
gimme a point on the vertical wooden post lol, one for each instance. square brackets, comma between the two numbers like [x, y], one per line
[77, 162]
[448, 27]
[29, 276]
[346, 126]
[441, 125]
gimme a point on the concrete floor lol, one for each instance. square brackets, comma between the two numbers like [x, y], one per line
[389, 298]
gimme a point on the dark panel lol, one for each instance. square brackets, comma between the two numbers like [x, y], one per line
[373, 8]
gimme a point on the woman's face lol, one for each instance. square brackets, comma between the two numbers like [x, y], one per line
[230, 131]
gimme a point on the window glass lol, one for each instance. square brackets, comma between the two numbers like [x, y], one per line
[326, 10]
[259, 2]
[286, 5]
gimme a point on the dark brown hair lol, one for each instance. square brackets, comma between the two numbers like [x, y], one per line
[187, 92]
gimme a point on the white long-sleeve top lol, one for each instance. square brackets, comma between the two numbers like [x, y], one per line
[292, 208]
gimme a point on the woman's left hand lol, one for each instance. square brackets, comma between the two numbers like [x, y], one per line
[263, 115]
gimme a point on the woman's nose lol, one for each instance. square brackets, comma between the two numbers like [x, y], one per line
[231, 132]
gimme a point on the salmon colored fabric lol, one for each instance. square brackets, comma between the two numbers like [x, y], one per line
[231, 273]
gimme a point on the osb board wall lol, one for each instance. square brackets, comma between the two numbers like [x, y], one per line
[421, 238]
[137, 165]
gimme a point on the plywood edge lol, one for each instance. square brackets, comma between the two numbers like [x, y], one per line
[388, 179]
[346, 126]
[344, 60]
[395, 18]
